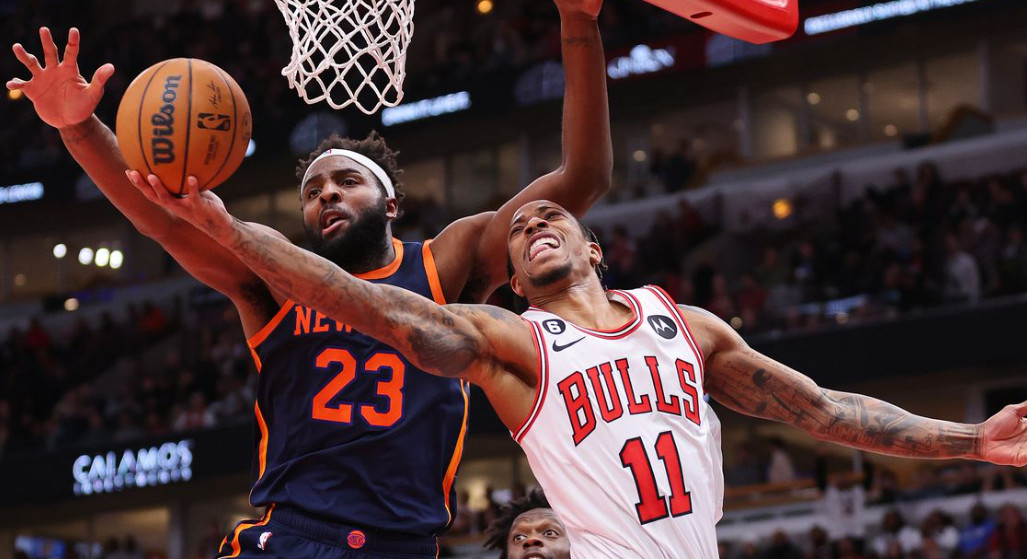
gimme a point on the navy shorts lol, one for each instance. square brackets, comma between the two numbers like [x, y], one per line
[289, 534]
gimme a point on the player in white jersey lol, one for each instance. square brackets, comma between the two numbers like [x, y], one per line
[603, 389]
[630, 399]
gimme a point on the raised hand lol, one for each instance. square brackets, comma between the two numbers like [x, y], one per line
[1005, 436]
[203, 209]
[61, 96]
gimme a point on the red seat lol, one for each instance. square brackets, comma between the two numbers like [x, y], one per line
[755, 21]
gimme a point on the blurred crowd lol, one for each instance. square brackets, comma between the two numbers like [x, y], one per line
[919, 242]
[59, 392]
[984, 534]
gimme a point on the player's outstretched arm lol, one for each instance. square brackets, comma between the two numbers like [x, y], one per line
[64, 99]
[751, 383]
[452, 341]
[584, 176]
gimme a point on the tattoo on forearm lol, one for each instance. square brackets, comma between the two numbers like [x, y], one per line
[579, 41]
[425, 332]
[78, 133]
[775, 392]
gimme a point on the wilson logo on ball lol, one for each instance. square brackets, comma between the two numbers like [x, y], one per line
[162, 148]
[211, 121]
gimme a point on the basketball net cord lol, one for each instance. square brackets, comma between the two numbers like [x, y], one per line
[348, 52]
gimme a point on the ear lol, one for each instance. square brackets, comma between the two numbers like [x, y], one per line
[595, 254]
[391, 209]
[515, 285]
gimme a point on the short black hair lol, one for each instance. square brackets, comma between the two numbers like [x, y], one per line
[498, 531]
[372, 147]
[588, 234]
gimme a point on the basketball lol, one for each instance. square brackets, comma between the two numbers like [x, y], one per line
[184, 117]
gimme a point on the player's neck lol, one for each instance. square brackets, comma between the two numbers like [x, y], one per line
[585, 305]
[378, 260]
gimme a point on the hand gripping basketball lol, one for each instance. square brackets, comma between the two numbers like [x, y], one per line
[202, 208]
[61, 96]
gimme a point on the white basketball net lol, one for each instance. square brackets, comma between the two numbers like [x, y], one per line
[348, 51]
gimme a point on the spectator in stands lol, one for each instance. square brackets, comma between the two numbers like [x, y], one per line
[849, 549]
[962, 279]
[528, 526]
[975, 537]
[780, 468]
[1009, 540]
[939, 532]
[723, 550]
[677, 170]
[895, 533]
[1013, 262]
[819, 544]
[195, 416]
[843, 508]
[781, 547]
[745, 469]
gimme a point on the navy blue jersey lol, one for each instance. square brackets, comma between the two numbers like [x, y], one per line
[348, 429]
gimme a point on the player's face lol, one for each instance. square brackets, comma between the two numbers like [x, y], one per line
[547, 248]
[538, 534]
[345, 212]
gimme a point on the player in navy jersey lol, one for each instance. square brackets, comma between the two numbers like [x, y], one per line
[356, 448]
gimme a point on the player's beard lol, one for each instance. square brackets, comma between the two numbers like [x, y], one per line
[361, 246]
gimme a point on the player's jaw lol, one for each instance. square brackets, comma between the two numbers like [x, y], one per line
[351, 238]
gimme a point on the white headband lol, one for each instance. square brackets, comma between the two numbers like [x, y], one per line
[359, 158]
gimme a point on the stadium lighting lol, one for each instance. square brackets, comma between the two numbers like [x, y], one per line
[484, 6]
[14, 94]
[639, 155]
[852, 115]
[103, 257]
[782, 208]
[60, 250]
[71, 304]
[117, 258]
[85, 256]
[813, 98]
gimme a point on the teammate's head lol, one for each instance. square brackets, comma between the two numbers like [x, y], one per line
[348, 200]
[528, 527]
[550, 250]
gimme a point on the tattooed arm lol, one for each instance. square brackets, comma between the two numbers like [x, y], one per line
[476, 342]
[750, 383]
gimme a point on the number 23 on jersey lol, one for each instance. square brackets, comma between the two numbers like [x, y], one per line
[391, 389]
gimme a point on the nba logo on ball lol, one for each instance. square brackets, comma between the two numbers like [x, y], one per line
[264, 537]
[356, 539]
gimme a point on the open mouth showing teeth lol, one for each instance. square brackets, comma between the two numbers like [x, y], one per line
[540, 245]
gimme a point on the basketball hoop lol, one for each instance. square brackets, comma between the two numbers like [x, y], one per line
[348, 52]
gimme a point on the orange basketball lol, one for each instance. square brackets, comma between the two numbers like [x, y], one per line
[184, 117]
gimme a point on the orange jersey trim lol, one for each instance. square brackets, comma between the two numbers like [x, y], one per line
[458, 452]
[259, 337]
[236, 548]
[389, 269]
[433, 273]
[262, 448]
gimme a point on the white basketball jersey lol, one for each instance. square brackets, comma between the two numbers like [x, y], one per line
[620, 436]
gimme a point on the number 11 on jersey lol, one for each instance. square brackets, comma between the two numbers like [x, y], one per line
[652, 505]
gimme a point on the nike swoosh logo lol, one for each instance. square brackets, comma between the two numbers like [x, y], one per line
[557, 347]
